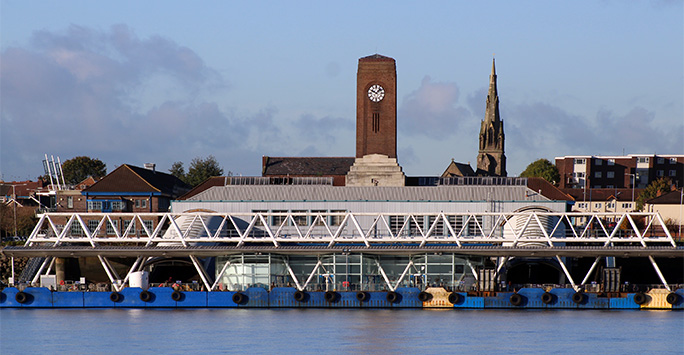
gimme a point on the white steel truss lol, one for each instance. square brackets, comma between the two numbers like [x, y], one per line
[496, 230]
[502, 229]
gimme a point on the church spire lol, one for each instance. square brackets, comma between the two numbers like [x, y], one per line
[491, 160]
[492, 110]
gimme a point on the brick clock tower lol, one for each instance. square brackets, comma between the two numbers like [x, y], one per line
[376, 106]
[376, 125]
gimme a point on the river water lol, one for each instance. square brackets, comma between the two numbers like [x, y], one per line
[315, 331]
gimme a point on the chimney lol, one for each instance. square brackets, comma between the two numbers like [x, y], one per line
[150, 166]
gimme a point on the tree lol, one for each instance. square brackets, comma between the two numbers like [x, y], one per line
[202, 169]
[178, 170]
[654, 189]
[25, 220]
[544, 169]
[77, 169]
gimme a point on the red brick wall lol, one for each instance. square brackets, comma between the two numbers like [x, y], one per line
[381, 71]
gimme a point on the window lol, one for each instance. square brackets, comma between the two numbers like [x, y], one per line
[118, 205]
[579, 161]
[70, 201]
[627, 205]
[673, 160]
[660, 173]
[610, 175]
[141, 203]
[256, 213]
[597, 205]
[642, 160]
[111, 227]
[439, 227]
[376, 122]
[76, 228]
[611, 205]
[598, 162]
[673, 173]
[473, 228]
[278, 220]
[395, 223]
[149, 225]
[92, 225]
[611, 162]
[94, 205]
[456, 223]
[298, 218]
[417, 226]
[125, 227]
[337, 220]
[319, 222]
[661, 160]
[598, 174]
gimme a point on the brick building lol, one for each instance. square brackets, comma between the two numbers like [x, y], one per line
[133, 189]
[631, 171]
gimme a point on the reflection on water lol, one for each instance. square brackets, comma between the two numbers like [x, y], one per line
[315, 331]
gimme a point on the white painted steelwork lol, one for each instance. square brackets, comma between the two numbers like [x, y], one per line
[499, 229]
[294, 232]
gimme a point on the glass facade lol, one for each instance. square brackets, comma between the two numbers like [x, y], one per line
[346, 271]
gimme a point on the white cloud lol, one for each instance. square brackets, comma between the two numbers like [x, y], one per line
[78, 92]
[432, 110]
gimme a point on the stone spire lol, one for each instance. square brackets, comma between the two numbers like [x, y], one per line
[491, 160]
[492, 111]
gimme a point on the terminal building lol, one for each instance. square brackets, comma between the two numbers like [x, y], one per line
[358, 225]
[314, 194]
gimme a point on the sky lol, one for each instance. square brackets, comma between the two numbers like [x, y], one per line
[135, 82]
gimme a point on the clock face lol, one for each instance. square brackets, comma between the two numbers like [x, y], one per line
[376, 93]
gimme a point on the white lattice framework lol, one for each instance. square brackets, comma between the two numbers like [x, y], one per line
[367, 228]
[520, 229]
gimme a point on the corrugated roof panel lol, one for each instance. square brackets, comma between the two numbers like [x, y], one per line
[374, 193]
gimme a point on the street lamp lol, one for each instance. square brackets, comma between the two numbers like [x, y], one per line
[14, 197]
[681, 203]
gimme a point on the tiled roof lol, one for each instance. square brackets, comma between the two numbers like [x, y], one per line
[306, 166]
[22, 189]
[129, 178]
[547, 189]
[670, 198]
[458, 169]
[208, 183]
[606, 194]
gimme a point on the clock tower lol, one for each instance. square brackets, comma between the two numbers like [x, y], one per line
[376, 125]
[376, 106]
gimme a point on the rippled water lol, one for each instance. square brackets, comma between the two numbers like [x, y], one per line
[314, 331]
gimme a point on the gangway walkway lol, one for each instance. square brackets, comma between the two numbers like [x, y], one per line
[202, 234]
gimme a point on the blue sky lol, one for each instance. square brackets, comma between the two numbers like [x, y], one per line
[157, 81]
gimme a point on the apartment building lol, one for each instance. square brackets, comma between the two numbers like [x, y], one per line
[630, 171]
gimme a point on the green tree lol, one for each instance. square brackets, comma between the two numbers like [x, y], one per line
[544, 169]
[178, 170]
[654, 189]
[77, 169]
[202, 169]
